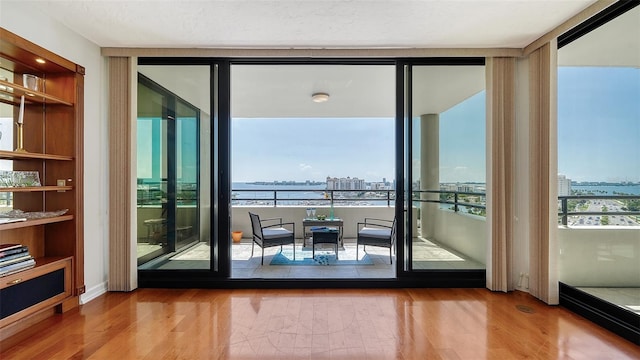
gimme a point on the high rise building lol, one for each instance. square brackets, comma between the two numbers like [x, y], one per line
[564, 185]
[347, 183]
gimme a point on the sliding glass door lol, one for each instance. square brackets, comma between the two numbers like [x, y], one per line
[346, 140]
[169, 192]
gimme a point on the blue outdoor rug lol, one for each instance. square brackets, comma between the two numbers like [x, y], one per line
[322, 258]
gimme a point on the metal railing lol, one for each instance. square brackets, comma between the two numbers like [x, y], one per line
[457, 200]
[568, 205]
[281, 197]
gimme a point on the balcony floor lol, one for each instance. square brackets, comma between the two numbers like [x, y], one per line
[246, 267]
[427, 255]
[627, 298]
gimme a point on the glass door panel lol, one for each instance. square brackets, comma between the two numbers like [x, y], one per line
[187, 179]
[316, 137]
[151, 173]
[448, 167]
[173, 129]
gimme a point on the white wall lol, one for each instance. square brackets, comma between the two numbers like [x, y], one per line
[26, 20]
[464, 233]
[606, 256]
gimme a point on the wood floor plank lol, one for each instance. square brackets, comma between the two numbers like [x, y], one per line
[319, 324]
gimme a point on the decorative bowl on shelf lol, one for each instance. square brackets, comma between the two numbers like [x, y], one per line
[19, 178]
[17, 213]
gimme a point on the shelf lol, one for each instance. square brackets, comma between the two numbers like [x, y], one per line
[28, 284]
[42, 266]
[35, 188]
[15, 91]
[35, 222]
[12, 155]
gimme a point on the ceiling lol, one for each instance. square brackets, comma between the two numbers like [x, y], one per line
[311, 23]
[366, 91]
[355, 91]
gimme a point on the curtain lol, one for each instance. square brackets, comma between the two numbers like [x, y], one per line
[122, 266]
[543, 279]
[500, 166]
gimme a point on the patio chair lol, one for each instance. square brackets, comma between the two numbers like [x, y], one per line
[376, 232]
[271, 235]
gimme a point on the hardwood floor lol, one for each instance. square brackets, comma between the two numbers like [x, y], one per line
[319, 324]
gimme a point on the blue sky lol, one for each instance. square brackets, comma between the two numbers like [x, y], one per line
[462, 141]
[599, 123]
[312, 149]
[598, 137]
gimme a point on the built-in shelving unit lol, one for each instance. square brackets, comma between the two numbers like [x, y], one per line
[52, 146]
[12, 155]
[13, 93]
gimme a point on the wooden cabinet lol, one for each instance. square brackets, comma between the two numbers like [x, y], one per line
[53, 144]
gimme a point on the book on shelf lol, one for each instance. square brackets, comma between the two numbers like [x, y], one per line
[17, 267]
[14, 259]
[14, 256]
[11, 250]
[6, 220]
[4, 247]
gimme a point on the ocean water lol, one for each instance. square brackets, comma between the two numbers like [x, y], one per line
[311, 192]
[255, 191]
[316, 191]
[609, 189]
[313, 195]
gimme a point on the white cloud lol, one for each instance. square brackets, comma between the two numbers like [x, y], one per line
[305, 167]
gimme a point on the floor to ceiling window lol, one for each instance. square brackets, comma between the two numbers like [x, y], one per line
[448, 167]
[599, 165]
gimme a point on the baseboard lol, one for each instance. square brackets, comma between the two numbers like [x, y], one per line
[93, 292]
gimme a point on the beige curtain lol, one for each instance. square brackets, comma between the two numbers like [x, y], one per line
[121, 270]
[500, 74]
[543, 280]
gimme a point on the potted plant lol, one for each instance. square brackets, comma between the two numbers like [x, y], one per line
[236, 236]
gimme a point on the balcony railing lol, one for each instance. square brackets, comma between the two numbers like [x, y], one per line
[307, 197]
[600, 206]
[470, 202]
[582, 208]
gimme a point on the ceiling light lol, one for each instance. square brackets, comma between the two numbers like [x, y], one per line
[320, 97]
[40, 61]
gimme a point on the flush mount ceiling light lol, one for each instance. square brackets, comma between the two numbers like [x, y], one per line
[320, 97]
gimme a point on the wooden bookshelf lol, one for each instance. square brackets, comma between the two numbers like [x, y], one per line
[53, 140]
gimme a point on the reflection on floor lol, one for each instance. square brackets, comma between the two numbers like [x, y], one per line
[427, 255]
[626, 298]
